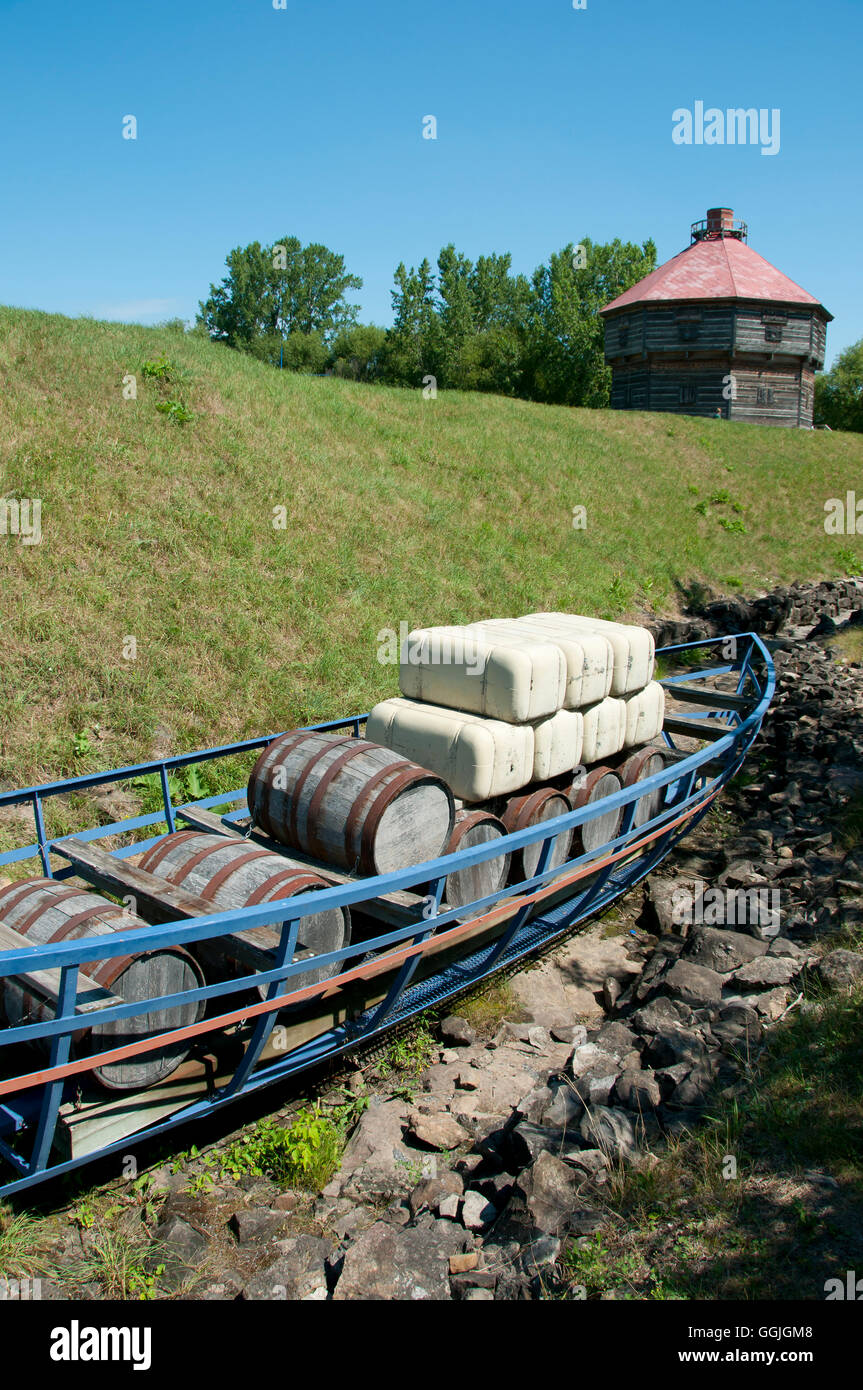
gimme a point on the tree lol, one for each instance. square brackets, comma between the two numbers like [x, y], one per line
[357, 352]
[565, 359]
[839, 392]
[273, 292]
[412, 346]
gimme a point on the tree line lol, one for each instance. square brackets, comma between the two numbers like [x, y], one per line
[463, 325]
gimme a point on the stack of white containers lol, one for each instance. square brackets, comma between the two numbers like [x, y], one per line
[494, 706]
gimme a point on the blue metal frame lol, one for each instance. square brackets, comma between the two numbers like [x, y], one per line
[34, 1105]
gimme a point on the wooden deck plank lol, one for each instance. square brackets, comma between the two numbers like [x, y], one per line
[46, 983]
[707, 729]
[159, 901]
[712, 699]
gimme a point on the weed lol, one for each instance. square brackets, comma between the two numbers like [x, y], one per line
[159, 369]
[303, 1154]
[19, 1237]
[176, 410]
[410, 1054]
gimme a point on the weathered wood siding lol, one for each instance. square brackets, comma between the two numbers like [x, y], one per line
[678, 358]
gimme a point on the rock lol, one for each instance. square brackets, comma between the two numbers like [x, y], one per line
[428, 1192]
[659, 1014]
[180, 1241]
[722, 951]
[616, 1040]
[765, 973]
[474, 1295]
[255, 1227]
[396, 1265]
[841, 970]
[564, 1106]
[461, 1264]
[286, 1201]
[609, 1129]
[447, 1205]
[672, 901]
[595, 1087]
[457, 1032]
[674, 1045]
[551, 1191]
[573, 1034]
[693, 984]
[298, 1271]
[589, 1057]
[611, 992]
[347, 1227]
[477, 1212]
[225, 1290]
[527, 1141]
[438, 1131]
[694, 1088]
[592, 1162]
[533, 1105]
[638, 1090]
[376, 1163]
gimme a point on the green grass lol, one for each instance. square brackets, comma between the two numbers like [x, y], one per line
[397, 509]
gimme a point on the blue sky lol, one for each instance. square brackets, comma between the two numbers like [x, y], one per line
[553, 124]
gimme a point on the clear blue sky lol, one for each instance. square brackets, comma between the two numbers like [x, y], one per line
[553, 124]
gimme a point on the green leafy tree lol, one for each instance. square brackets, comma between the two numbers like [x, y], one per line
[412, 348]
[357, 352]
[839, 392]
[481, 308]
[565, 360]
[274, 292]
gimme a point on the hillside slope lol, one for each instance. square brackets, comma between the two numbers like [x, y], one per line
[398, 509]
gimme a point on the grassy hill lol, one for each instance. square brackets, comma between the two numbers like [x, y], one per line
[398, 509]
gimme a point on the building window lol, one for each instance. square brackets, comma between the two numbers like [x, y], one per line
[688, 393]
[765, 395]
[773, 332]
[688, 324]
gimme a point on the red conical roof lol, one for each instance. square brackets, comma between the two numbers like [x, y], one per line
[714, 268]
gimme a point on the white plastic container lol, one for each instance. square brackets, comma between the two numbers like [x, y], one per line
[604, 729]
[645, 712]
[633, 646]
[558, 744]
[460, 669]
[478, 757]
[589, 656]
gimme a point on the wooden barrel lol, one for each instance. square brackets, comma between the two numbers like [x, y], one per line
[586, 790]
[532, 808]
[350, 802]
[646, 762]
[46, 911]
[466, 885]
[233, 873]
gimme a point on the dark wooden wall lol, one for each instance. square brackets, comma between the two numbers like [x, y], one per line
[678, 357]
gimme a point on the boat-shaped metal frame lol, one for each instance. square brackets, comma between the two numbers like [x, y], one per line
[403, 970]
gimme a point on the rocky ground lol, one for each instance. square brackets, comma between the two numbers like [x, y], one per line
[482, 1168]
